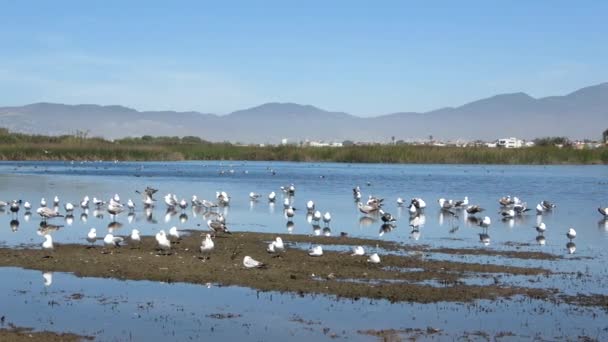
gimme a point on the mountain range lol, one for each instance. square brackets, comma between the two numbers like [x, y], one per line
[580, 114]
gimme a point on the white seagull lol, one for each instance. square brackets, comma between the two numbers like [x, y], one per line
[249, 262]
[174, 233]
[135, 238]
[571, 234]
[207, 244]
[92, 236]
[542, 227]
[310, 206]
[374, 258]
[272, 197]
[327, 218]
[358, 250]
[47, 213]
[316, 251]
[112, 241]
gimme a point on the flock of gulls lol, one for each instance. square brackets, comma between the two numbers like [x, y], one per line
[510, 208]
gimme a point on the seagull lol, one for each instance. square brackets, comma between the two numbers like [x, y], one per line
[289, 212]
[253, 196]
[286, 203]
[170, 201]
[462, 203]
[400, 201]
[542, 227]
[112, 241]
[217, 227]
[98, 203]
[508, 214]
[310, 206]
[603, 211]
[208, 204]
[571, 234]
[223, 198]
[386, 217]
[278, 243]
[164, 244]
[130, 205]
[135, 238]
[183, 204]
[540, 209]
[316, 251]
[316, 217]
[547, 205]
[42, 202]
[195, 202]
[289, 190]
[327, 218]
[207, 244]
[486, 222]
[27, 206]
[84, 204]
[69, 207]
[56, 201]
[92, 236]
[374, 258]
[445, 204]
[47, 213]
[116, 198]
[174, 233]
[15, 206]
[474, 209]
[419, 203]
[272, 197]
[358, 250]
[365, 208]
[115, 208]
[48, 243]
[249, 262]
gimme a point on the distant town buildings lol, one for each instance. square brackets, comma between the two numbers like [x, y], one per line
[510, 143]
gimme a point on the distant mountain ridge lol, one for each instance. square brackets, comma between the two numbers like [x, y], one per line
[580, 114]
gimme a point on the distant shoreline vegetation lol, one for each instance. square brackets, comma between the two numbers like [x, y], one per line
[17, 146]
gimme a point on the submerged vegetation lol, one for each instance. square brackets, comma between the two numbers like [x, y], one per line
[17, 146]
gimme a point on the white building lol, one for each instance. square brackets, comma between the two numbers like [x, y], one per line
[510, 143]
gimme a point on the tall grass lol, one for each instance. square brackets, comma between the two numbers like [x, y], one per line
[36, 147]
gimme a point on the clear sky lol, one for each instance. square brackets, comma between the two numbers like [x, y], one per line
[362, 57]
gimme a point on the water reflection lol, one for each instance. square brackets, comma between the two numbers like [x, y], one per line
[571, 247]
[14, 224]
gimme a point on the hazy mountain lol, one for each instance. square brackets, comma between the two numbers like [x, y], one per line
[581, 114]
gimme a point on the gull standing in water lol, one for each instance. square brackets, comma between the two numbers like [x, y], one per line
[47, 213]
[254, 196]
[541, 228]
[603, 211]
[130, 205]
[84, 204]
[69, 207]
[400, 201]
[249, 262]
[115, 208]
[27, 206]
[272, 197]
[327, 218]
[290, 212]
[310, 206]
[48, 278]
[56, 201]
[316, 217]
[571, 234]
[43, 202]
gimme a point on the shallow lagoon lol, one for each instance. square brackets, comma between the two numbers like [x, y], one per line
[577, 190]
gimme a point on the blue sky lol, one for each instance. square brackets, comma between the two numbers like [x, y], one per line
[362, 57]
